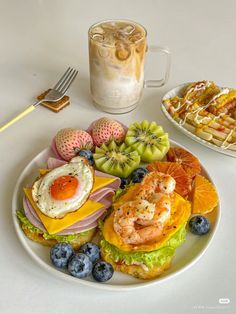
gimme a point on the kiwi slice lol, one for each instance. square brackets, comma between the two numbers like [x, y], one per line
[148, 139]
[117, 160]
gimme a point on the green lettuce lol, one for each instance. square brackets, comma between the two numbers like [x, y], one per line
[119, 192]
[151, 259]
[60, 238]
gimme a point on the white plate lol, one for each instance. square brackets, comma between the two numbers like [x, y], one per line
[186, 255]
[178, 91]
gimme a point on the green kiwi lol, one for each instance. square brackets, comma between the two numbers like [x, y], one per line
[148, 139]
[116, 160]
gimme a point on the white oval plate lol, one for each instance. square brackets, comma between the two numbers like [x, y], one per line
[178, 91]
[186, 255]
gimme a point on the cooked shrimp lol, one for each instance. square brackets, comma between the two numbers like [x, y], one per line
[142, 219]
[155, 182]
[127, 215]
[162, 210]
[157, 187]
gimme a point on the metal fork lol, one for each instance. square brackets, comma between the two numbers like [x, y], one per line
[55, 94]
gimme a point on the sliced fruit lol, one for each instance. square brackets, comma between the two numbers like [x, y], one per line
[183, 181]
[205, 197]
[148, 139]
[188, 161]
[116, 160]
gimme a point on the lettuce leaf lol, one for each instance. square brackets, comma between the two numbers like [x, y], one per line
[119, 192]
[60, 238]
[151, 259]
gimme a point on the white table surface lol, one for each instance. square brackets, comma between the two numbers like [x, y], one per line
[39, 39]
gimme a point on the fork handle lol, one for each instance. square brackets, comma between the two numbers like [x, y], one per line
[18, 117]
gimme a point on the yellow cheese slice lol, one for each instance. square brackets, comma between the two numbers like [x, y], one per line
[100, 182]
[54, 225]
[43, 171]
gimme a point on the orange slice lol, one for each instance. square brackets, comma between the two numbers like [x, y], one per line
[183, 181]
[205, 197]
[188, 161]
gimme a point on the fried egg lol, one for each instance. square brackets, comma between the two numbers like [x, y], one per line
[64, 189]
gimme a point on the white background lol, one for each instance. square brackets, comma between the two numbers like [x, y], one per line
[39, 39]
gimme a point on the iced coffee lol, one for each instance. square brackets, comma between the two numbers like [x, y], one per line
[116, 55]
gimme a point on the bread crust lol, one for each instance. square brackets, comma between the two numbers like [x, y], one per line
[135, 270]
[76, 244]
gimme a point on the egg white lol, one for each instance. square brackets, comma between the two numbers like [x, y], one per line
[78, 168]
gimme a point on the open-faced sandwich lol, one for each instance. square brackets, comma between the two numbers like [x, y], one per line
[65, 203]
[147, 225]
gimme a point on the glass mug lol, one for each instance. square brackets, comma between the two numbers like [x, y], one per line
[117, 50]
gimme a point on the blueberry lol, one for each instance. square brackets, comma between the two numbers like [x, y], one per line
[91, 250]
[102, 271]
[60, 254]
[199, 225]
[80, 265]
[123, 183]
[86, 153]
[138, 174]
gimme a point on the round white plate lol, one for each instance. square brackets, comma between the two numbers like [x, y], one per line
[186, 255]
[178, 91]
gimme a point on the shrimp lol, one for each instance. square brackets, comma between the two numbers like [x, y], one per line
[162, 211]
[142, 219]
[157, 188]
[155, 182]
[125, 219]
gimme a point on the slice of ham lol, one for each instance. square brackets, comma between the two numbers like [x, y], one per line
[30, 216]
[103, 174]
[103, 195]
[54, 149]
[78, 230]
[88, 220]
[53, 163]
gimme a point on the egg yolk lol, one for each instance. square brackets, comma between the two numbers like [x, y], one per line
[64, 187]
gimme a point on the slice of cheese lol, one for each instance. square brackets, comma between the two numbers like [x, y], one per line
[100, 182]
[54, 225]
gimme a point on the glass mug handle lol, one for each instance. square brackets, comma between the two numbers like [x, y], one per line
[158, 83]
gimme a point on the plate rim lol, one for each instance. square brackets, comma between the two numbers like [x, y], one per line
[188, 133]
[104, 286]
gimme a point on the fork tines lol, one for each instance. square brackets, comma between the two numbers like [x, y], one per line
[66, 80]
